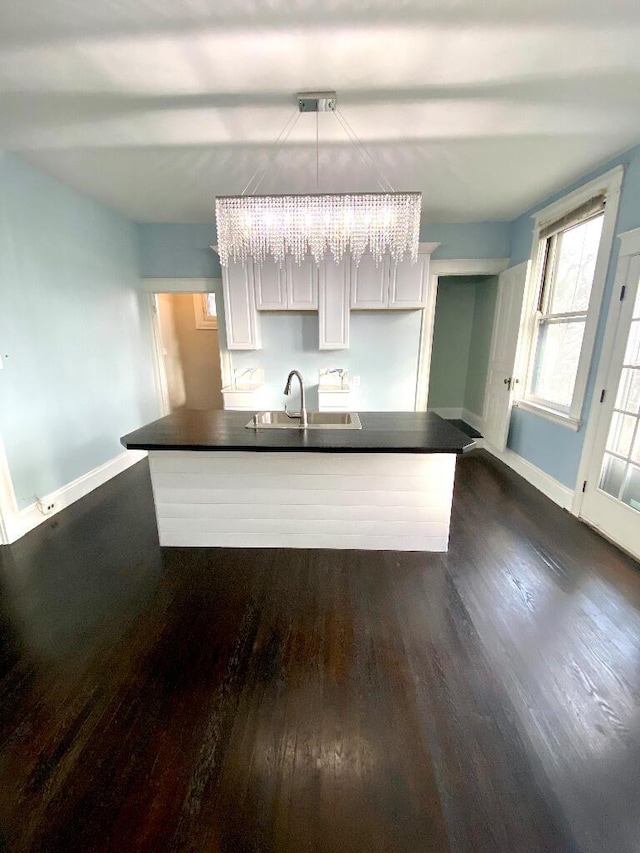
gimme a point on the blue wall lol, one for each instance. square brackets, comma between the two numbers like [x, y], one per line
[468, 240]
[451, 345]
[176, 250]
[75, 330]
[550, 446]
[383, 352]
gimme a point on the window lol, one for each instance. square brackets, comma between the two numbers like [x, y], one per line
[563, 302]
[204, 305]
[572, 241]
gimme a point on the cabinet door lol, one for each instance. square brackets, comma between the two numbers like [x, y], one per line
[409, 283]
[240, 316]
[302, 285]
[270, 284]
[333, 307]
[370, 284]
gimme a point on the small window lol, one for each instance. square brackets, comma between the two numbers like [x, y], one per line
[205, 310]
[570, 254]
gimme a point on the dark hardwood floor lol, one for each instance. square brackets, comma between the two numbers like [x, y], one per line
[487, 699]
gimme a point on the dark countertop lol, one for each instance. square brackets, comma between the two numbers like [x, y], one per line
[382, 432]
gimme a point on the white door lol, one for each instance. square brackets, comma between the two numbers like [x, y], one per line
[611, 500]
[501, 381]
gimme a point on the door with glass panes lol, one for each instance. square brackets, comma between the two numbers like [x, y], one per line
[612, 491]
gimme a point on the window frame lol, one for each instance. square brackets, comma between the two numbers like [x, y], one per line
[609, 184]
[204, 320]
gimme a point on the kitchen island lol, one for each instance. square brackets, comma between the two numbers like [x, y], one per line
[388, 486]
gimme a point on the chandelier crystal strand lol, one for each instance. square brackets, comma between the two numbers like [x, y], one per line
[318, 224]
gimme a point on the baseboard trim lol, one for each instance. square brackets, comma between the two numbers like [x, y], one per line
[449, 414]
[472, 419]
[19, 523]
[555, 490]
[465, 415]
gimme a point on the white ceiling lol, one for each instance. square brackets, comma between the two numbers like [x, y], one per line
[155, 106]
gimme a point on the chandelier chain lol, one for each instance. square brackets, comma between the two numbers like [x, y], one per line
[261, 171]
[385, 184]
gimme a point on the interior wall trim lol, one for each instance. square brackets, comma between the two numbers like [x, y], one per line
[460, 266]
[8, 506]
[476, 421]
[19, 523]
[555, 490]
[181, 285]
[449, 413]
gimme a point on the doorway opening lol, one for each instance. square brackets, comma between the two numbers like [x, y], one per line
[189, 362]
[463, 324]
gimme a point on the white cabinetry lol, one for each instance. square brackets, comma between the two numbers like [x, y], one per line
[408, 283]
[302, 285]
[400, 286]
[332, 289]
[370, 284]
[271, 286]
[291, 287]
[333, 307]
[241, 319]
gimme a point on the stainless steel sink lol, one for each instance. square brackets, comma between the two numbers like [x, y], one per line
[315, 420]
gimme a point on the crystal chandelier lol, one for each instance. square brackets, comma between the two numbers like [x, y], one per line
[297, 225]
[257, 226]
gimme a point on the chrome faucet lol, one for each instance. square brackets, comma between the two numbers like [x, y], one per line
[302, 414]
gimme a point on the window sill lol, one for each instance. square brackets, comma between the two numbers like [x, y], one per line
[550, 414]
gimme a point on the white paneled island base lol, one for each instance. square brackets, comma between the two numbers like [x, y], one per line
[242, 499]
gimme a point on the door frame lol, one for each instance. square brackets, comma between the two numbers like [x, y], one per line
[155, 286]
[629, 246]
[461, 266]
[8, 505]
[160, 368]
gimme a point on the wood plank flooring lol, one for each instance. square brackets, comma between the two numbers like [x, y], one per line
[487, 699]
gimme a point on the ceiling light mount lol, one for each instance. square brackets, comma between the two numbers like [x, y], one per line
[317, 102]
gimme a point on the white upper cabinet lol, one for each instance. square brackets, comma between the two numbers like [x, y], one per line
[271, 286]
[333, 307]
[408, 283]
[302, 284]
[401, 286]
[332, 289]
[291, 287]
[241, 318]
[370, 283]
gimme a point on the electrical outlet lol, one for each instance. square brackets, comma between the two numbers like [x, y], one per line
[46, 507]
[355, 381]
